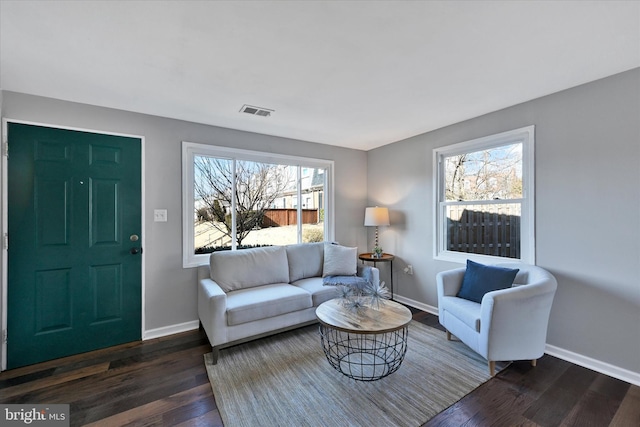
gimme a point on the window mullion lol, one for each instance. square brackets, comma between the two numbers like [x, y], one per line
[483, 202]
[234, 204]
[299, 210]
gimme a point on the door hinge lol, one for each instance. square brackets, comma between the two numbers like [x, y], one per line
[5, 241]
[4, 335]
[5, 149]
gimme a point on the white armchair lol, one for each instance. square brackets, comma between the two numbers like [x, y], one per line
[509, 324]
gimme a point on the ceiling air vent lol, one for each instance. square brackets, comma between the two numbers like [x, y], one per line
[256, 111]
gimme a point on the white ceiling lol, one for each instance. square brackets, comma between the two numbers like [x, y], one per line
[357, 74]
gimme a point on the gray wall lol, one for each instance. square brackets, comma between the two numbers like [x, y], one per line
[1, 219]
[587, 210]
[171, 290]
[587, 203]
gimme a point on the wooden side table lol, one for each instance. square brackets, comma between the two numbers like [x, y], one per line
[370, 257]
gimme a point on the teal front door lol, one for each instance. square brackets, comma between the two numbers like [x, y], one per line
[74, 254]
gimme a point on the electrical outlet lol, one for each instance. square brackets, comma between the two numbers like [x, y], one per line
[160, 215]
[409, 269]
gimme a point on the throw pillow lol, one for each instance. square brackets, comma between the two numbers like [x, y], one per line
[479, 279]
[339, 260]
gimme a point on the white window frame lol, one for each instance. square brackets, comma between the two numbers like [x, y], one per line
[526, 136]
[191, 149]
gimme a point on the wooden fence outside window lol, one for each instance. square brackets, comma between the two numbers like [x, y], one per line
[282, 217]
[495, 232]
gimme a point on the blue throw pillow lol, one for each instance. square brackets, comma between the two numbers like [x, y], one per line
[480, 279]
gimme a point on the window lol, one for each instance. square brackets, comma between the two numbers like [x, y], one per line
[234, 199]
[484, 198]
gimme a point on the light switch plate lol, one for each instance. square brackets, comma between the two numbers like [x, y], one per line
[160, 215]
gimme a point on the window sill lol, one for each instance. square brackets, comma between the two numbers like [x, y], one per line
[461, 258]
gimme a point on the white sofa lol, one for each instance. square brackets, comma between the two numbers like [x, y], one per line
[251, 293]
[508, 324]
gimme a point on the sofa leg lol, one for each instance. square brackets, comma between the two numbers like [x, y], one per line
[448, 336]
[215, 352]
[534, 362]
[492, 367]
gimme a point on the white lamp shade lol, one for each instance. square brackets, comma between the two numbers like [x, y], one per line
[376, 216]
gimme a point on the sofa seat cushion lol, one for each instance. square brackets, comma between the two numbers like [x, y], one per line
[305, 260]
[246, 268]
[319, 293]
[468, 312]
[248, 305]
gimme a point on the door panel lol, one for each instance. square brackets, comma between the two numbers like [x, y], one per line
[74, 200]
[52, 212]
[53, 308]
[104, 207]
[106, 283]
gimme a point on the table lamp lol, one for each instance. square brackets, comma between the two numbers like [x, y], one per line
[376, 216]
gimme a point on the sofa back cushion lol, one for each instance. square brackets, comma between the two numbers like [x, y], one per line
[305, 260]
[247, 268]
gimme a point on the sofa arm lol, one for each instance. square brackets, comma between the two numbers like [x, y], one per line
[449, 282]
[514, 321]
[212, 308]
[375, 273]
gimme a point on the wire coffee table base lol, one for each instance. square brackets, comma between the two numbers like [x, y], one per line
[364, 356]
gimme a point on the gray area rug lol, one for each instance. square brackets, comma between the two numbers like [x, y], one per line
[285, 380]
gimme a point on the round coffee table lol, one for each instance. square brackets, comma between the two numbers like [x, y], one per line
[367, 344]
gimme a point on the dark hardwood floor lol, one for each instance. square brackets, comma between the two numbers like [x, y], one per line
[163, 382]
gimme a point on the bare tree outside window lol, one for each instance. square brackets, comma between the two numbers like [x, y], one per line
[490, 174]
[237, 199]
[257, 186]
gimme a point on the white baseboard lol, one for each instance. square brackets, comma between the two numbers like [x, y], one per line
[560, 353]
[416, 304]
[593, 364]
[170, 330]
